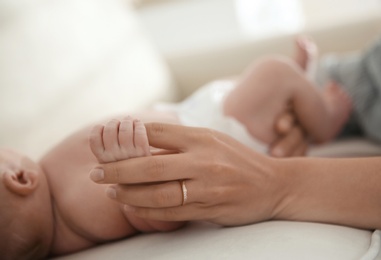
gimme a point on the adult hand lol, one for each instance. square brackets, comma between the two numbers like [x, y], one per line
[292, 139]
[227, 183]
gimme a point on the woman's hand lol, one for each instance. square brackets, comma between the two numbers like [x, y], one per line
[227, 183]
[292, 139]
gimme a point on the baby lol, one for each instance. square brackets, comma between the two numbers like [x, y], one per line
[248, 108]
[46, 212]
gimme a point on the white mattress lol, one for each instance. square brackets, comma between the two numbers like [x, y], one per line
[268, 240]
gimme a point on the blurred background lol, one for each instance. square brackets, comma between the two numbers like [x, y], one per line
[67, 63]
[237, 31]
[192, 25]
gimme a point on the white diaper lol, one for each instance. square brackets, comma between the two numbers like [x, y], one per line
[204, 109]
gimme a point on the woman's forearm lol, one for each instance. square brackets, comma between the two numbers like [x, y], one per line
[338, 191]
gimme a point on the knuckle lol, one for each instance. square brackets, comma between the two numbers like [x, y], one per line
[214, 165]
[156, 129]
[114, 173]
[214, 199]
[209, 136]
[155, 167]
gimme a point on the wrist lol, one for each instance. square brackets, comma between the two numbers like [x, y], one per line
[277, 187]
[336, 191]
[285, 178]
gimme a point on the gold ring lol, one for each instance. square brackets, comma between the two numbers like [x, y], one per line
[184, 191]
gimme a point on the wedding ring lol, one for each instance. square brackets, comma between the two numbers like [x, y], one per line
[184, 191]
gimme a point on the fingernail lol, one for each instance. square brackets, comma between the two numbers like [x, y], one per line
[111, 192]
[97, 174]
[128, 208]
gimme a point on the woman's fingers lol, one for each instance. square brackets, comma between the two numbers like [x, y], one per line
[170, 137]
[163, 195]
[182, 138]
[162, 168]
[182, 213]
[151, 169]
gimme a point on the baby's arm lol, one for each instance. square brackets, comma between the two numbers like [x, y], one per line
[322, 112]
[122, 140]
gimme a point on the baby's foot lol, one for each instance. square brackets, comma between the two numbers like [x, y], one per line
[306, 55]
[119, 140]
[339, 107]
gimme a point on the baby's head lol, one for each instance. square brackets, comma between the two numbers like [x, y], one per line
[26, 218]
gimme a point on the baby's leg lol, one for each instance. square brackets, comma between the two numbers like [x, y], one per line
[339, 105]
[262, 94]
[337, 102]
[306, 55]
[322, 113]
[273, 84]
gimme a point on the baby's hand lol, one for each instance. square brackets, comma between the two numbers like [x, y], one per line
[292, 140]
[119, 140]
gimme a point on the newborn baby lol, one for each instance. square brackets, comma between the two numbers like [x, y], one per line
[44, 210]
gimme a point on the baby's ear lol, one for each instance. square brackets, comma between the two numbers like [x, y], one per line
[22, 182]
